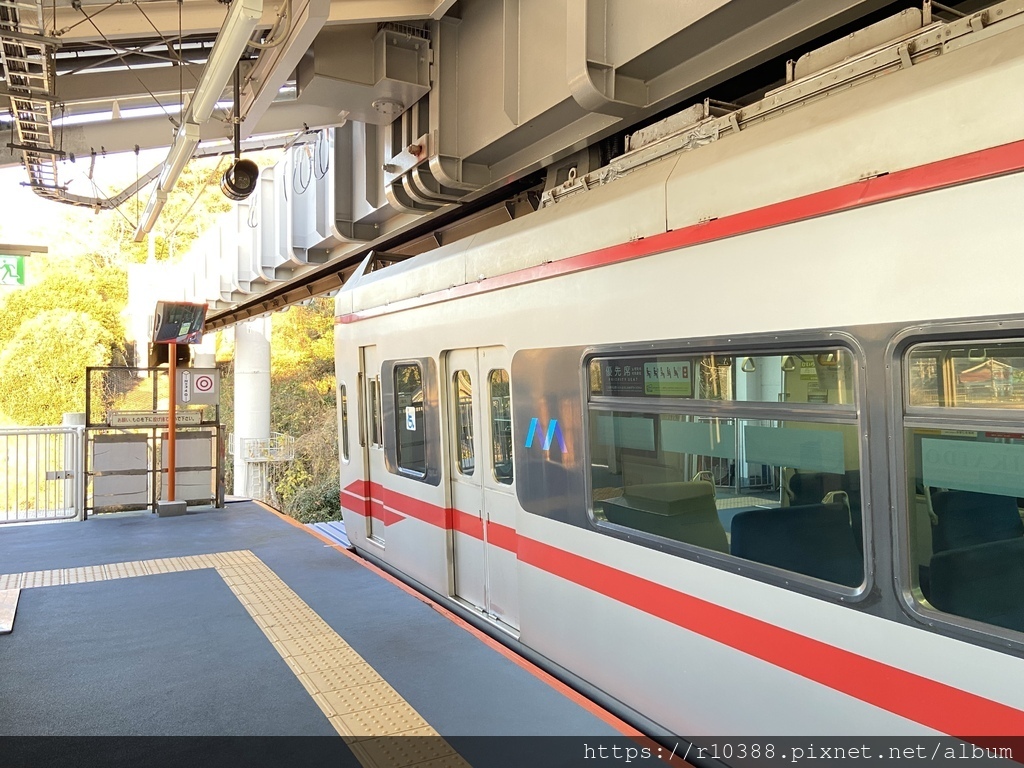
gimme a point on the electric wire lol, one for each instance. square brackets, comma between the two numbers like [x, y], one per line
[298, 184]
[136, 75]
[204, 187]
[276, 38]
[322, 152]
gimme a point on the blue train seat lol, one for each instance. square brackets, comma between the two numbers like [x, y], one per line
[984, 582]
[684, 511]
[812, 487]
[813, 539]
[966, 518]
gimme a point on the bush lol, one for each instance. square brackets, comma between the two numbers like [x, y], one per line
[316, 503]
[42, 368]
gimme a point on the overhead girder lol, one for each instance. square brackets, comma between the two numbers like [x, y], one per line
[157, 131]
[483, 94]
[127, 20]
[578, 79]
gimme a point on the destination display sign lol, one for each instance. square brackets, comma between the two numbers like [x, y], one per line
[650, 377]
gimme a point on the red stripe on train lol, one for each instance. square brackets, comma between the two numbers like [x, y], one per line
[929, 702]
[974, 166]
[903, 693]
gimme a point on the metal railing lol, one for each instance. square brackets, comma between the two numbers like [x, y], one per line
[41, 472]
[277, 447]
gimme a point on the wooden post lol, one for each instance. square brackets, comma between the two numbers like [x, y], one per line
[172, 420]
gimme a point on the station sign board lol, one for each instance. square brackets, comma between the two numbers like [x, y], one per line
[12, 270]
[152, 418]
[198, 386]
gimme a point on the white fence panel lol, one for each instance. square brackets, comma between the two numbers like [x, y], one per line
[41, 471]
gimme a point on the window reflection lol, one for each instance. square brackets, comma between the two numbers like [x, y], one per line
[501, 426]
[463, 398]
[795, 377]
[409, 426]
[782, 491]
[976, 375]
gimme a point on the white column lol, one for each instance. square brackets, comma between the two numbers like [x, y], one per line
[252, 389]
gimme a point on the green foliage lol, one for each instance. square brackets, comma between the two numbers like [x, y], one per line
[42, 368]
[302, 404]
[192, 207]
[316, 503]
[304, 341]
[303, 396]
[78, 285]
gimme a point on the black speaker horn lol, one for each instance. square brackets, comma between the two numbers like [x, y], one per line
[240, 179]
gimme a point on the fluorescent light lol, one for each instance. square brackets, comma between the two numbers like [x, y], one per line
[156, 204]
[243, 15]
[185, 142]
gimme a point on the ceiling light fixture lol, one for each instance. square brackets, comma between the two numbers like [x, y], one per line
[241, 21]
[185, 142]
[231, 43]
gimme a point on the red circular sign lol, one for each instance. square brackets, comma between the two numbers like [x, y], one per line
[204, 383]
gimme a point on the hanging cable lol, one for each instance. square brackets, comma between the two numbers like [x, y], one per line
[181, 70]
[136, 196]
[322, 153]
[276, 38]
[202, 189]
[253, 219]
[298, 184]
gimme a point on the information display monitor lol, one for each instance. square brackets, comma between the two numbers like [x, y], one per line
[177, 322]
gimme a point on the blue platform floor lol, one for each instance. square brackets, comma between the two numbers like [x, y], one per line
[179, 653]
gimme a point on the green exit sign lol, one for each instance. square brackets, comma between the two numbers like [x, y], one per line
[12, 270]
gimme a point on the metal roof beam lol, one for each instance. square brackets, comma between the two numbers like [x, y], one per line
[125, 21]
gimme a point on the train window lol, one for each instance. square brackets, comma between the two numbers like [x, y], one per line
[965, 482]
[462, 396]
[501, 426]
[409, 425]
[771, 484]
[982, 375]
[376, 420]
[801, 376]
[343, 408]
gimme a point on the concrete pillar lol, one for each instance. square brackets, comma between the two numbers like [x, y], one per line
[252, 389]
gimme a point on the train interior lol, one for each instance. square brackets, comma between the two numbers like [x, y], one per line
[965, 479]
[675, 455]
[780, 486]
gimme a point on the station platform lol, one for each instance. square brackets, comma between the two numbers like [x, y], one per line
[242, 623]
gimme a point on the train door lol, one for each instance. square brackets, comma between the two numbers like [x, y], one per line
[374, 459]
[483, 496]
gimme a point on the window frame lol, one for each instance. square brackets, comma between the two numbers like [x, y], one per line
[492, 433]
[343, 423]
[403, 464]
[458, 443]
[832, 413]
[432, 451]
[904, 416]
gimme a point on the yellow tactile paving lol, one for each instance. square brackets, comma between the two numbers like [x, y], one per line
[404, 752]
[358, 702]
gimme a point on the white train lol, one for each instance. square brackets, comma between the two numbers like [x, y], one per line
[730, 428]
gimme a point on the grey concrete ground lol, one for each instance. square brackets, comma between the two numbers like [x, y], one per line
[176, 654]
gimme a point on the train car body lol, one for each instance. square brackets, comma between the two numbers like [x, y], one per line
[730, 429]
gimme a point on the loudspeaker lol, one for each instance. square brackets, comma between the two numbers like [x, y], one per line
[240, 179]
